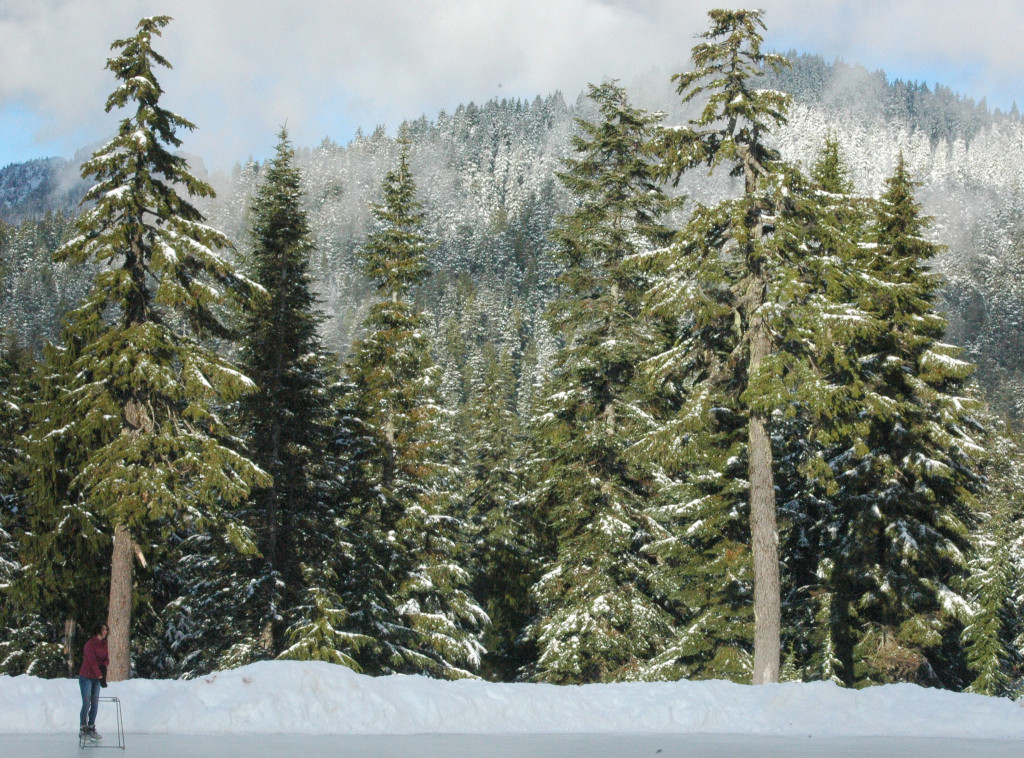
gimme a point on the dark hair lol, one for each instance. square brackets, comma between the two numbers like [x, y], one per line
[100, 627]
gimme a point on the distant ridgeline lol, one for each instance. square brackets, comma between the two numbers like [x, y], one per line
[938, 112]
[486, 176]
[31, 189]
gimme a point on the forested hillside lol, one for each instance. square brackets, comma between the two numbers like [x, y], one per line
[487, 173]
[524, 376]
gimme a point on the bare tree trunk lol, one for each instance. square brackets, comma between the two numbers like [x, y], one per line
[69, 644]
[764, 533]
[119, 612]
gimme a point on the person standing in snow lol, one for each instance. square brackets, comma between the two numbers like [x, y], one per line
[91, 677]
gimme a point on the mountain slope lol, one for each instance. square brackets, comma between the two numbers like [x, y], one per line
[486, 174]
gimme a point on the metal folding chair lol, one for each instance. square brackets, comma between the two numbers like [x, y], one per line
[87, 744]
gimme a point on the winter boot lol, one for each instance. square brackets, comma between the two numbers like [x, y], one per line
[93, 734]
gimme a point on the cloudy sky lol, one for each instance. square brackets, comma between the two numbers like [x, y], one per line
[243, 67]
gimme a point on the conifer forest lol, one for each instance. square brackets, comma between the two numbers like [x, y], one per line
[718, 374]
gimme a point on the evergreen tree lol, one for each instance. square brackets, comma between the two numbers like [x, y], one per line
[234, 608]
[64, 544]
[406, 589]
[732, 128]
[29, 643]
[288, 421]
[763, 285]
[598, 614]
[504, 555]
[994, 572]
[816, 443]
[317, 633]
[705, 564]
[906, 494]
[165, 287]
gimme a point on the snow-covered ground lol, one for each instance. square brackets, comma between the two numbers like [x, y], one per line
[320, 700]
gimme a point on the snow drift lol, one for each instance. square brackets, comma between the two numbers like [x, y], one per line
[321, 698]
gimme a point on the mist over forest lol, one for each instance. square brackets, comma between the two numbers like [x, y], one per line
[487, 178]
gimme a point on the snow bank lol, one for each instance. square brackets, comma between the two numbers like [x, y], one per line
[320, 698]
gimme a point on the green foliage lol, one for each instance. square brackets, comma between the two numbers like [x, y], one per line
[289, 419]
[394, 257]
[505, 535]
[992, 634]
[598, 616]
[407, 585]
[735, 282]
[737, 117]
[915, 484]
[885, 487]
[317, 634]
[65, 542]
[169, 461]
[567, 501]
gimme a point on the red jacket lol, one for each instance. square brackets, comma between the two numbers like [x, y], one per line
[94, 656]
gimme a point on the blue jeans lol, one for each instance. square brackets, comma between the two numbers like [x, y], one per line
[90, 699]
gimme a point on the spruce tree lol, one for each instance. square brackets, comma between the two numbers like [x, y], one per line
[907, 494]
[164, 286]
[288, 420]
[810, 443]
[65, 543]
[317, 631]
[988, 635]
[505, 535]
[407, 586]
[598, 615]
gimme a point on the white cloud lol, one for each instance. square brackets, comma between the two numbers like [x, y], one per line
[244, 66]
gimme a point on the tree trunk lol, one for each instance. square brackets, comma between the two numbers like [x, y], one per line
[843, 637]
[387, 475]
[764, 533]
[119, 612]
[69, 644]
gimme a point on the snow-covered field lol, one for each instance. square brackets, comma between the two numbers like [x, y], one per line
[319, 700]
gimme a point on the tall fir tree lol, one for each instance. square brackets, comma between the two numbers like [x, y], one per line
[505, 535]
[407, 586]
[907, 491]
[733, 128]
[992, 635]
[815, 442]
[598, 615]
[65, 543]
[288, 421]
[165, 286]
[236, 608]
[763, 287]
